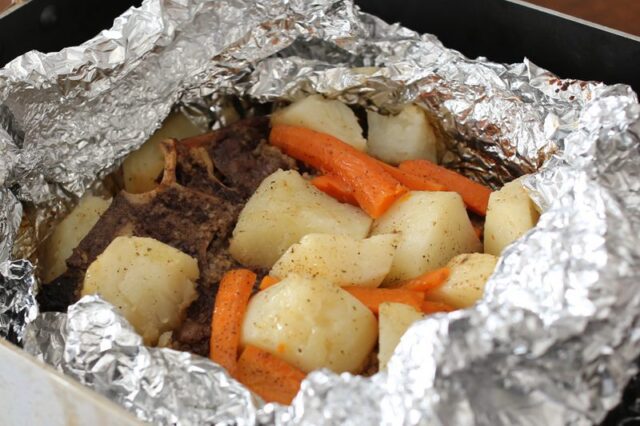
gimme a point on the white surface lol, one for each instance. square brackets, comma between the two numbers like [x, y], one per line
[32, 393]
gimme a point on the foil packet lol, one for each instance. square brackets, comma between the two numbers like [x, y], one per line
[552, 342]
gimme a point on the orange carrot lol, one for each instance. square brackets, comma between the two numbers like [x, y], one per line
[475, 195]
[336, 188]
[373, 297]
[412, 181]
[268, 281]
[429, 307]
[373, 188]
[273, 379]
[426, 282]
[228, 313]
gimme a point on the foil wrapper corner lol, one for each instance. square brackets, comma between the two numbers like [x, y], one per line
[18, 305]
[554, 339]
[96, 346]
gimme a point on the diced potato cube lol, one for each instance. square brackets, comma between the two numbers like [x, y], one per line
[67, 235]
[323, 115]
[433, 228]
[311, 324]
[394, 320]
[285, 208]
[152, 284]
[465, 285]
[339, 258]
[141, 168]
[510, 214]
[406, 136]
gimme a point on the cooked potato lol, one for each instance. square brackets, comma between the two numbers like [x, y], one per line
[433, 227]
[406, 136]
[141, 168]
[311, 324]
[465, 285]
[394, 320]
[150, 283]
[284, 208]
[339, 259]
[323, 115]
[68, 234]
[510, 214]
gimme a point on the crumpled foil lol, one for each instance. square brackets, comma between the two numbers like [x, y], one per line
[552, 342]
[18, 305]
[94, 344]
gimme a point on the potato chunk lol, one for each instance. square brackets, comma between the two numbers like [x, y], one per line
[339, 259]
[323, 115]
[394, 320]
[465, 285]
[433, 227]
[406, 136]
[141, 168]
[150, 283]
[510, 214]
[68, 234]
[311, 324]
[284, 208]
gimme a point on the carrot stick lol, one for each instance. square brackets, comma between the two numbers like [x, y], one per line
[426, 282]
[268, 281]
[273, 379]
[373, 297]
[412, 181]
[429, 307]
[336, 188]
[475, 195]
[373, 188]
[228, 313]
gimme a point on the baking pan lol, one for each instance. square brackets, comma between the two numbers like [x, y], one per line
[50, 25]
[501, 30]
[32, 393]
[509, 30]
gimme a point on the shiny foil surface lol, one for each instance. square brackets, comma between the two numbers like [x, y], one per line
[553, 341]
[18, 305]
[95, 345]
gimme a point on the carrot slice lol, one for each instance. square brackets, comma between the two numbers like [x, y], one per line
[228, 313]
[475, 195]
[373, 297]
[373, 188]
[273, 379]
[268, 281]
[336, 188]
[426, 282]
[412, 181]
[429, 307]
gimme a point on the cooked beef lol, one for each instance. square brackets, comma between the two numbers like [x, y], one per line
[231, 161]
[207, 180]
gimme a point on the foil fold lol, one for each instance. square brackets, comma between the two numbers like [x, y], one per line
[18, 306]
[552, 342]
[99, 348]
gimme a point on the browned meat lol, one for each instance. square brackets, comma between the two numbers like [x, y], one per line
[233, 160]
[207, 180]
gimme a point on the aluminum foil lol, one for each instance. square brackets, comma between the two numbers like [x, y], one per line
[18, 305]
[95, 345]
[553, 341]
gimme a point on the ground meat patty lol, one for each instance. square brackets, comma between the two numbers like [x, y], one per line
[206, 182]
